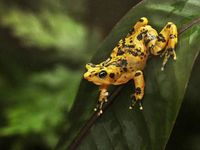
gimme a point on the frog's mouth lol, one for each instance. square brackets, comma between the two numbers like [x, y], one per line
[87, 76]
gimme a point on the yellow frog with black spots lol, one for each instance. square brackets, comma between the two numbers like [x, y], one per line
[129, 57]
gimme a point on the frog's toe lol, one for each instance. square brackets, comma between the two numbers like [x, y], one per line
[132, 105]
[174, 55]
[140, 105]
[99, 108]
[169, 52]
[134, 102]
[100, 112]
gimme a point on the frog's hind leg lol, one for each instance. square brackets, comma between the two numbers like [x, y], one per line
[102, 99]
[139, 89]
[118, 50]
[165, 43]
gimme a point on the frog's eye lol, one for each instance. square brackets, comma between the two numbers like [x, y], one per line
[102, 74]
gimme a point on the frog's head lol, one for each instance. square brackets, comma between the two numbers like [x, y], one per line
[99, 74]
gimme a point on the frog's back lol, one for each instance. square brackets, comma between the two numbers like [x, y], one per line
[134, 49]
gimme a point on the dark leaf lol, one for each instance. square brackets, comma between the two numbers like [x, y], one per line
[120, 128]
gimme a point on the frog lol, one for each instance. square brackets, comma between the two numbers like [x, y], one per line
[128, 60]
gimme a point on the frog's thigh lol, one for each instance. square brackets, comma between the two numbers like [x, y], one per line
[140, 23]
[166, 38]
[139, 85]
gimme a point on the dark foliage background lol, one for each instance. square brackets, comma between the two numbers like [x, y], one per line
[43, 48]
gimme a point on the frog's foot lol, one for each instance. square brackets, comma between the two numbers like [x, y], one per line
[165, 43]
[167, 53]
[102, 99]
[134, 102]
[99, 108]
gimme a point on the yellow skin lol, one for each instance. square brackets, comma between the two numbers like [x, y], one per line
[129, 57]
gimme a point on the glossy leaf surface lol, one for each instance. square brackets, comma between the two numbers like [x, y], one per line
[120, 128]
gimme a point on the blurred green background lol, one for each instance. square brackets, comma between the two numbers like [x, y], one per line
[44, 45]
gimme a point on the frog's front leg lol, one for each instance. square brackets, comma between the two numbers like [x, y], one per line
[102, 99]
[165, 43]
[139, 89]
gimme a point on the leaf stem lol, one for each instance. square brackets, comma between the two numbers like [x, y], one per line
[189, 25]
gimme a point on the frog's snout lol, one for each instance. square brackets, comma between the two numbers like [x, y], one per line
[86, 75]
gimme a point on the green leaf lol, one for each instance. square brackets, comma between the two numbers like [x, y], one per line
[40, 93]
[118, 127]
